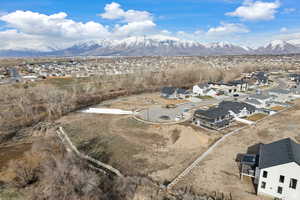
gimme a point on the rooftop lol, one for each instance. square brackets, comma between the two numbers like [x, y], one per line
[278, 153]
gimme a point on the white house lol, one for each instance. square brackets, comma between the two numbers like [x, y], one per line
[200, 89]
[281, 95]
[259, 100]
[279, 170]
[211, 92]
[275, 168]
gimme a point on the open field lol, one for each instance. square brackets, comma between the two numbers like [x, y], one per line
[159, 151]
[220, 171]
[277, 108]
[256, 117]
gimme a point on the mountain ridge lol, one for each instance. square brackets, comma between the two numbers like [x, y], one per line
[156, 46]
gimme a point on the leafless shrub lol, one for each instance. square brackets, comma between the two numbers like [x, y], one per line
[26, 171]
[67, 178]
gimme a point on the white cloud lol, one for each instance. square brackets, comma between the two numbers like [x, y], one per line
[256, 10]
[27, 29]
[283, 29]
[134, 28]
[134, 22]
[114, 11]
[52, 25]
[227, 28]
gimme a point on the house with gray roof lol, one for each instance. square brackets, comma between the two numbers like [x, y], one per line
[222, 115]
[276, 169]
[174, 93]
[261, 98]
[254, 102]
[281, 95]
[230, 87]
[261, 78]
[200, 89]
[279, 170]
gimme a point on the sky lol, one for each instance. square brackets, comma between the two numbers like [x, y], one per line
[44, 24]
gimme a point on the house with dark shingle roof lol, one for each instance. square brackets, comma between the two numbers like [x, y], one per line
[230, 87]
[279, 170]
[281, 95]
[261, 78]
[220, 117]
[174, 93]
[276, 169]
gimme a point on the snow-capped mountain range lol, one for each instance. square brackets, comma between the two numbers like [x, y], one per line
[156, 46]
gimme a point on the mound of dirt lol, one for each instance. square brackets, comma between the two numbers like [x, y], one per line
[188, 138]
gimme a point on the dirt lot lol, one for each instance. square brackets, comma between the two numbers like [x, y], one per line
[161, 151]
[219, 171]
[137, 148]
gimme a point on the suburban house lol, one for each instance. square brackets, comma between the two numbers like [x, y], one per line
[204, 90]
[221, 116]
[254, 102]
[241, 85]
[280, 95]
[238, 109]
[261, 78]
[275, 168]
[230, 87]
[214, 118]
[200, 88]
[174, 93]
[263, 100]
[294, 77]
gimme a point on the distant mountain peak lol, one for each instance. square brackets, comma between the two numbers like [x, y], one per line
[155, 45]
[276, 44]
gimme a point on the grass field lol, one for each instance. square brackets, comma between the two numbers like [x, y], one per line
[205, 97]
[277, 108]
[160, 151]
[256, 117]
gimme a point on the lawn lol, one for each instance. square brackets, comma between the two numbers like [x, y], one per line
[205, 97]
[256, 117]
[277, 108]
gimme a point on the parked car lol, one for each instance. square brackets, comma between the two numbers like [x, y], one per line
[171, 106]
[236, 95]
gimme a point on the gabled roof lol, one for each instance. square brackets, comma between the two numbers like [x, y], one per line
[203, 85]
[212, 113]
[259, 96]
[182, 91]
[253, 101]
[168, 90]
[237, 82]
[278, 153]
[223, 109]
[236, 106]
[279, 91]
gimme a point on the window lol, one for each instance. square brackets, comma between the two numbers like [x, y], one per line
[281, 179]
[293, 183]
[263, 185]
[265, 174]
[279, 190]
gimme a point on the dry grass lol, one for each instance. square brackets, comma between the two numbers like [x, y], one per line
[135, 147]
[219, 169]
[278, 108]
[256, 117]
